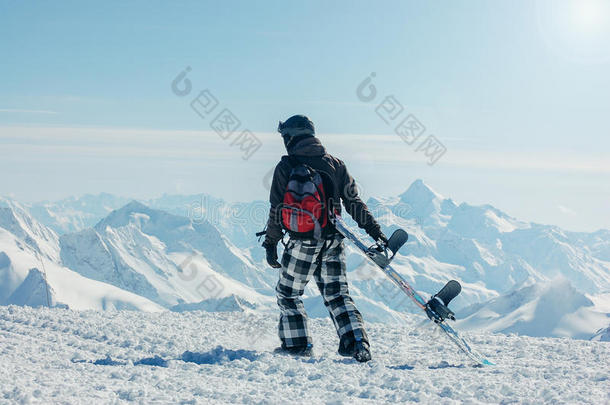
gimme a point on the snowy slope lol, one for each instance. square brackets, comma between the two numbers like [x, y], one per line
[554, 308]
[15, 219]
[166, 258]
[237, 221]
[62, 356]
[22, 281]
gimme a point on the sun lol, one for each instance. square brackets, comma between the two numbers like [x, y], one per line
[590, 16]
[576, 29]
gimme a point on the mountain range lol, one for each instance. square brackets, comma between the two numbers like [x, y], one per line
[182, 253]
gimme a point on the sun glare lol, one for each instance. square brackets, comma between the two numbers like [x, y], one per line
[591, 16]
[576, 29]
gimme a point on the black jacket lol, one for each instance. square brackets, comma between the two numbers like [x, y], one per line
[343, 188]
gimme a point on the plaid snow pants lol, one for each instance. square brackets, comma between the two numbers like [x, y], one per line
[325, 260]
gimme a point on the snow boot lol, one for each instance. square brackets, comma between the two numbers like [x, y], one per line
[361, 352]
[304, 351]
[356, 348]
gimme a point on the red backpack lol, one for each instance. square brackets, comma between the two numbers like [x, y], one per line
[304, 210]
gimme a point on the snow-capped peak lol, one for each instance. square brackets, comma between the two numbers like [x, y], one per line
[17, 220]
[420, 193]
[425, 205]
[125, 214]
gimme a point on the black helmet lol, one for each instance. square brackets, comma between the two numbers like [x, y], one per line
[296, 125]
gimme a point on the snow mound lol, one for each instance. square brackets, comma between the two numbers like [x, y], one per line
[602, 335]
[33, 291]
[230, 303]
[554, 308]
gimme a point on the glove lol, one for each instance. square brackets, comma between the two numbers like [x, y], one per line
[271, 249]
[379, 237]
[382, 239]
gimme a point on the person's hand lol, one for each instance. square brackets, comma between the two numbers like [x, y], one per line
[380, 238]
[271, 250]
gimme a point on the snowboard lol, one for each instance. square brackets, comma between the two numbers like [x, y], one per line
[382, 257]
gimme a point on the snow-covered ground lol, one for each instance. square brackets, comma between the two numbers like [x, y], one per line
[64, 356]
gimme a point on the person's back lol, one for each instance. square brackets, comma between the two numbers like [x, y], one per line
[322, 257]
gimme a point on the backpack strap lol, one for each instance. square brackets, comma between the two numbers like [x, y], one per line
[292, 160]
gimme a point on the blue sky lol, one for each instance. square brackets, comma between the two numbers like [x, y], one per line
[516, 91]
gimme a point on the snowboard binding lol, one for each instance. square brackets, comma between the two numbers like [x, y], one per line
[437, 308]
[383, 253]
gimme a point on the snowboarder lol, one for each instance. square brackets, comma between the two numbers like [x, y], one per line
[308, 186]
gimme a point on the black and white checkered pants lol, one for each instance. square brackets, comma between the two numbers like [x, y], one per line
[325, 260]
